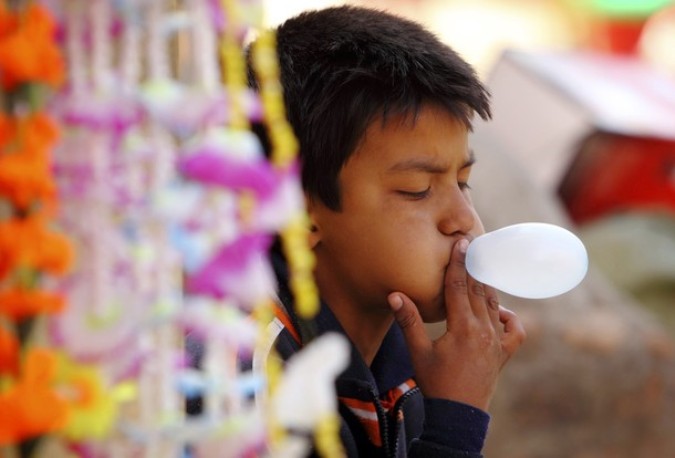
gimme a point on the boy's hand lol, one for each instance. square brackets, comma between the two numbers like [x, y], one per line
[464, 363]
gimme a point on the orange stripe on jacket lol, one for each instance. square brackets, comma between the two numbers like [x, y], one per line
[281, 314]
[367, 415]
[392, 396]
[366, 411]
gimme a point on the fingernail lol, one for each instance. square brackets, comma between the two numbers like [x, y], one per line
[395, 302]
[463, 244]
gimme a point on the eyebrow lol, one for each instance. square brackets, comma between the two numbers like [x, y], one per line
[422, 165]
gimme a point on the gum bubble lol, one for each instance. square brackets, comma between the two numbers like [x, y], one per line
[529, 260]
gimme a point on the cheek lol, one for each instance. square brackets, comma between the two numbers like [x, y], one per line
[405, 248]
[421, 231]
[415, 256]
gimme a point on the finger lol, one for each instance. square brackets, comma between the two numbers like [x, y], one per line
[514, 332]
[492, 301]
[408, 318]
[478, 299]
[457, 306]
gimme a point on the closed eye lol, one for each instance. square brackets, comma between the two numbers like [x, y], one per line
[415, 195]
[464, 186]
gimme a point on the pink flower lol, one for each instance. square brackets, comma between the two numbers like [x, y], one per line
[239, 271]
[231, 159]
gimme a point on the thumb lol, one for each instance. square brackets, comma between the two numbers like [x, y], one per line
[410, 321]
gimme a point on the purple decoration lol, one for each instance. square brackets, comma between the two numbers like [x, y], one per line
[238, 270]
[113, 113]
[217, 14]
[214, 168]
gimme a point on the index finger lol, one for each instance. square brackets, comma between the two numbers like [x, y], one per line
[457, 306]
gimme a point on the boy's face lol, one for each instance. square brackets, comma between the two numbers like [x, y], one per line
[405, 202]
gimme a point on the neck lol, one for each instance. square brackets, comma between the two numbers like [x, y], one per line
[366, 326]
[367, 333]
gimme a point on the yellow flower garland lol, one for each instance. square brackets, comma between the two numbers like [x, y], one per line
[300, 258]
[284, 153]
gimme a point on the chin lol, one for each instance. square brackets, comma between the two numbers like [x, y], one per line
[434, 312]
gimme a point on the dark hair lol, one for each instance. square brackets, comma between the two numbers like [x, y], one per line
[343, 67]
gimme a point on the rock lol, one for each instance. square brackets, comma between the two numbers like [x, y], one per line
[636, 250]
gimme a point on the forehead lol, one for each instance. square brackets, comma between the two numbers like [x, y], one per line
[433, 134]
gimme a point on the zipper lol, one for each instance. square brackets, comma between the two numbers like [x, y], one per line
[381, 418]
[396, 410]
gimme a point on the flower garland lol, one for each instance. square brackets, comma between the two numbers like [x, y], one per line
[230, 159]
[114, 164]
[284, 154]
[27, 49]
[145, 188]
[32, 251]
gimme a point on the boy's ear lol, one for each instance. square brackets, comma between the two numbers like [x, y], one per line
[314, 235]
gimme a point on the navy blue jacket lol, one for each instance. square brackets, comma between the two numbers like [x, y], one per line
[383, 411]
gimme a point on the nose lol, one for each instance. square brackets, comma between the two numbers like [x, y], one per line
[457, 216]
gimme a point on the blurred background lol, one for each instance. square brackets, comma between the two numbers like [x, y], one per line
[583, 135]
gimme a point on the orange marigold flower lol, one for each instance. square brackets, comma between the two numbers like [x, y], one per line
[32, 135]
[7, 129]
[28, 52]
[9, 352]
[30, 243]
[25, 166]
[19, 304]
[24, 181]
[42, 126]
[9, 254]
[53, 252]
[7, 20]
[32, 407]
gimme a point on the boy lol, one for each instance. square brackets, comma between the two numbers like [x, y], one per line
[382, 111]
